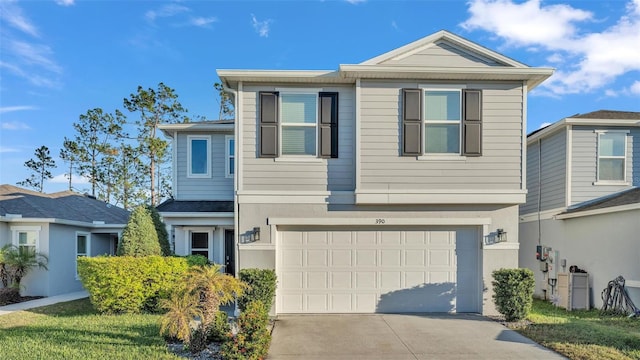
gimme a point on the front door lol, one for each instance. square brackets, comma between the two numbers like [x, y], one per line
[229, 252]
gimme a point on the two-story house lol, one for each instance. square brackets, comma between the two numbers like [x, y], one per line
[392, 185]
[583, 204]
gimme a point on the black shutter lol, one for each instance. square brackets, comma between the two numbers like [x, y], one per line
[328, 124]
[268, 144]
[472, 122]
[411, 122]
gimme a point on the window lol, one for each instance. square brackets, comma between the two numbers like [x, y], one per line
[442, 115]
[199, 148]
[441, 121]
[612, 147]
[26, 238]
[83, 245]
[200, 243]
[231, 156]
[298, 123]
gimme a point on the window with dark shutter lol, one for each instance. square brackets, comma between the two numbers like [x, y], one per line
[328, 124]
[411, 122]
[268, 146]
[472, 123]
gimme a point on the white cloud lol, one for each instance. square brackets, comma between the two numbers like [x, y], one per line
[4, 149]
[35, 54]
[261, 27]
[355, 2]
[168, 10]
[610, 93]
[8, 109]
[394, 25]
[202, 21]
[33, 78]
[12, 14]
[590, 60]
[14, 125]
[65, 2]
[635, 88]
[64, 179]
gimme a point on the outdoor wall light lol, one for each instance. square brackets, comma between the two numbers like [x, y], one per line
[501, 235]
[255, 234]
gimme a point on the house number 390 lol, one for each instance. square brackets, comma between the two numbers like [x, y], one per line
[380, 221]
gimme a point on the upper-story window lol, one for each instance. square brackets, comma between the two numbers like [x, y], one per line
[298, 124]
[231, 156]
[26, 238]
[441, 120]
[612, 156]
[198, 153]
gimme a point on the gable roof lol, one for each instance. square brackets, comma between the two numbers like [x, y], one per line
[599, 117]
[624, 200]
[63, 205]
[381, 67]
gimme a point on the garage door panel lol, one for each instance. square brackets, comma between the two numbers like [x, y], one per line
[379, 271]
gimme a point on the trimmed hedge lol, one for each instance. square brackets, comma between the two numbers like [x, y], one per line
[513, 292]
[197, 260]
[126, 284]
[253, 337]
[262, 287]
[139, 237]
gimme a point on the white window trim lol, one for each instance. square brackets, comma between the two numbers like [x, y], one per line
[15, 230]
[624, 172]
[281, 124]
[189, 167]
[88, 246]
[441, 156]
[227, 141]
[209, 241]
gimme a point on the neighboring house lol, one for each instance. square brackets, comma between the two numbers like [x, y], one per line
[63, 226]
[392, 185]
[583, 203]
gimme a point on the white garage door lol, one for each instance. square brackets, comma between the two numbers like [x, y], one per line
[387, 271]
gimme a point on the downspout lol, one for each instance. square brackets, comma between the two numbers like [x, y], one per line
[539, 191]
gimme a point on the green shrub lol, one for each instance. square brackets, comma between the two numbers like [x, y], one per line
[197, 260]
[139, 237]
[262, 287]
[220, 328]
[161, 230]
[513, 292]
[125, 284]
[253, 337]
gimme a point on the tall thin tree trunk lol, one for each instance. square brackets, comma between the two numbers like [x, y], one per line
[70, 173]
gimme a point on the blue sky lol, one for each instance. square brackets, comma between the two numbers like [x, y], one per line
[59, 59]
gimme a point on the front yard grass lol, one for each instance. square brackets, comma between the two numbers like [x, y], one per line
[582, 334]
[74, 330]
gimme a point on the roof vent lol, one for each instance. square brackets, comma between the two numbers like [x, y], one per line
[13, 216]
[98, 222]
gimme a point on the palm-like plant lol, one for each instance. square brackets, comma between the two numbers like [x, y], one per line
[213, 288]
[4, 273]
[181, 310]
[19, 261]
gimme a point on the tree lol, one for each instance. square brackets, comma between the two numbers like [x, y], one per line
[69, 154]
[20, 261]
[227, 110]
[139, 237]
[161, 230]
[155, 107]
[40, 167]
[95, 132]
[127, 180]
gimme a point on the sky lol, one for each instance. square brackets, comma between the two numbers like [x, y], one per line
[60, 58]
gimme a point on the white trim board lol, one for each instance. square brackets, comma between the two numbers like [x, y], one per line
[544, 215]
[380, 222]
[607, 210]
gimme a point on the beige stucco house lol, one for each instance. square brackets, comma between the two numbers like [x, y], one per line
[392, 185]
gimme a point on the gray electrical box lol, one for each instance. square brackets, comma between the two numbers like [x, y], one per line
[573, 290]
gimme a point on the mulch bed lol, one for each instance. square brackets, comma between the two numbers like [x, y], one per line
[20, 299]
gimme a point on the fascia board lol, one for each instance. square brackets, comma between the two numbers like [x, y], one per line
[578, 121]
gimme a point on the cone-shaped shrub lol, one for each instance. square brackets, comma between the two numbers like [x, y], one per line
[139, 237]
[161, 230]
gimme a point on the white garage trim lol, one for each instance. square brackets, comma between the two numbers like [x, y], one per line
[382, 221]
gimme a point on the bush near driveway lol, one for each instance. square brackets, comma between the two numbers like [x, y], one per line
[513, 292]
[253, 337]
[262, 287]
[127, 284]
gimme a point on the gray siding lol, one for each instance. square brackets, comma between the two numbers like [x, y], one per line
[444, 55]
[499, 167]
[553, 173]
[316, 175]
[584, 167]
[218, 186]
[62, 259]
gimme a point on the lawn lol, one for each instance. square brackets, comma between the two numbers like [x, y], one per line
[74, 330]
[583, 334]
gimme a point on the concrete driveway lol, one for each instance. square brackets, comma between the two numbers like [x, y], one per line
[399, 337]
